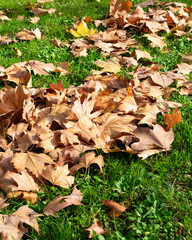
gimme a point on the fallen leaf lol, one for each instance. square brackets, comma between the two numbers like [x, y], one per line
[42, 11]
[86, 160]
[28, 216]
[75, 197]
[110, 65]
[55, 206]
[172, 119]
[142, 54]
[58, 176]
[34, 19]
[95, 229]
[25, 35]
[118, 8]
[5, 40]
[156, 41]
[25, 181]
[81, 30]
[34, 162]
[183, 68]
[117, 208]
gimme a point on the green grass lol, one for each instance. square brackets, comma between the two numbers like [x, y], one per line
[157, 191]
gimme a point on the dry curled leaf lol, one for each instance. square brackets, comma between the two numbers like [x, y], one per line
[117, 208]
[95, 229]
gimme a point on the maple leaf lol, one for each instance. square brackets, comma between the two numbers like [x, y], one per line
[156, 139]
[156, 41]
[120, 8]
[80, 29]
[183, 68]
[34, 162]
[117, 208]
[11, 227]
[39, 67]
[95, 229]
[142, 54]
[25, 182]
[18, 77]
[110, 65]
[28, 216]
[86, 160]
[12, 99]
[58, 176]
[172, 119]
[112, 126]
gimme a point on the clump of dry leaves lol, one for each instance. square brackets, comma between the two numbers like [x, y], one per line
[44, 131]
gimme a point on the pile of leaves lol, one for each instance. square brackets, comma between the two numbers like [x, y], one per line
[48, 134]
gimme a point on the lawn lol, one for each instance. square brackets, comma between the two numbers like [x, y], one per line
[156, 191]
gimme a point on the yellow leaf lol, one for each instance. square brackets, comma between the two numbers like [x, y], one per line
[81, 30]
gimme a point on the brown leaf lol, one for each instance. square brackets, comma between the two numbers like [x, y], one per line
[171, 120]
[142, 54]
[57, 86]
[75, 197]
[28, 216]
[11, 227]
[156, 41]
[34, 162]
[58, 176]
[5, 40]
[39, 67]
[187, 58]
[41, 11]
[25, 182]
[18, 77]
[117, 208]
[12, 99]
[4, 17]
[156, 139]
[25, 35]
[55, 206]
[86, 160]
[120, 8]
[183, 68]
[95, 229]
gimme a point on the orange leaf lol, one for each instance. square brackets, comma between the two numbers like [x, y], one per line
[117, 208]
[171, 120]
